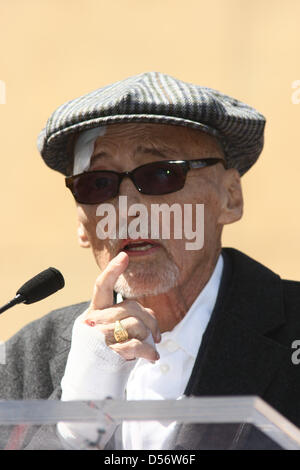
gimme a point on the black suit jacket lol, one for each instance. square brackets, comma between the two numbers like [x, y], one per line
[246, 348]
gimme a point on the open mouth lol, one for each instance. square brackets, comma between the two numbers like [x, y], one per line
[138, 247]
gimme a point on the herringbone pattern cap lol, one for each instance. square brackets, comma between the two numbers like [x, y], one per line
[158, 98]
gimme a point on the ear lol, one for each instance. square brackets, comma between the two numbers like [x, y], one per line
[232, 197]
[82, 236]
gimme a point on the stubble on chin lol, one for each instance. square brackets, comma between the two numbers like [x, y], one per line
[147, 278]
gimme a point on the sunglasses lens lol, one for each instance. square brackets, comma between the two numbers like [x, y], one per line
[159, 178]
[95, 188]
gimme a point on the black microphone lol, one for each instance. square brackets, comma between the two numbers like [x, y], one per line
[39, 287]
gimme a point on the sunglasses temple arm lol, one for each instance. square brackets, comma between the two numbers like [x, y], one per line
[206, 162]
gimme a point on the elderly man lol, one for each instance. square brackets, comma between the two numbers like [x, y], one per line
[164, 321]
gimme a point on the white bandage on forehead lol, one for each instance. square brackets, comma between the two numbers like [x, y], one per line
[84, 149]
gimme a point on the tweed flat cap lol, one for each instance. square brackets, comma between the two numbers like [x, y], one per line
[157, 98]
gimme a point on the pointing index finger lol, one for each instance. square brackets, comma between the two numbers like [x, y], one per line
[104, 285]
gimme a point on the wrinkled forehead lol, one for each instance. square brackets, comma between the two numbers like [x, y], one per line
[169, 139]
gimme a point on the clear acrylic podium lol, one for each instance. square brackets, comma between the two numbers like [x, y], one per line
[218, 423]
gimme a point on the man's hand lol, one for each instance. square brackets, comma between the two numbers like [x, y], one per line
[138, 321]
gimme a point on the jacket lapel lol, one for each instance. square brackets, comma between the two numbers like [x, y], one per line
[236, 356]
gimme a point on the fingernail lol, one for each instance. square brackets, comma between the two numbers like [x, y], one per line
[90, 322]
[120, 257]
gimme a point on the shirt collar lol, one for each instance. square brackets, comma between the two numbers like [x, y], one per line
[187, 334]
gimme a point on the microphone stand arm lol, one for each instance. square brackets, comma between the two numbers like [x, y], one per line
[17, 300]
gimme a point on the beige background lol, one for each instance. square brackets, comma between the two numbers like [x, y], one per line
[55, 50]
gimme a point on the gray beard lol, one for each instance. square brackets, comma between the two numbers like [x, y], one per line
[141, 280]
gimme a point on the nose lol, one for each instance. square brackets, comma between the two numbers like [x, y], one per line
[141, 209]
[128, 188]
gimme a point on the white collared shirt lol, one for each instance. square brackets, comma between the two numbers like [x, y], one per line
[168, 377]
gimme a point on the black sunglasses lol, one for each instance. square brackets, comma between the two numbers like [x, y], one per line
[95, 187]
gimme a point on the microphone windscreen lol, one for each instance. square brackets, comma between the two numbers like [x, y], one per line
[40, 286]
